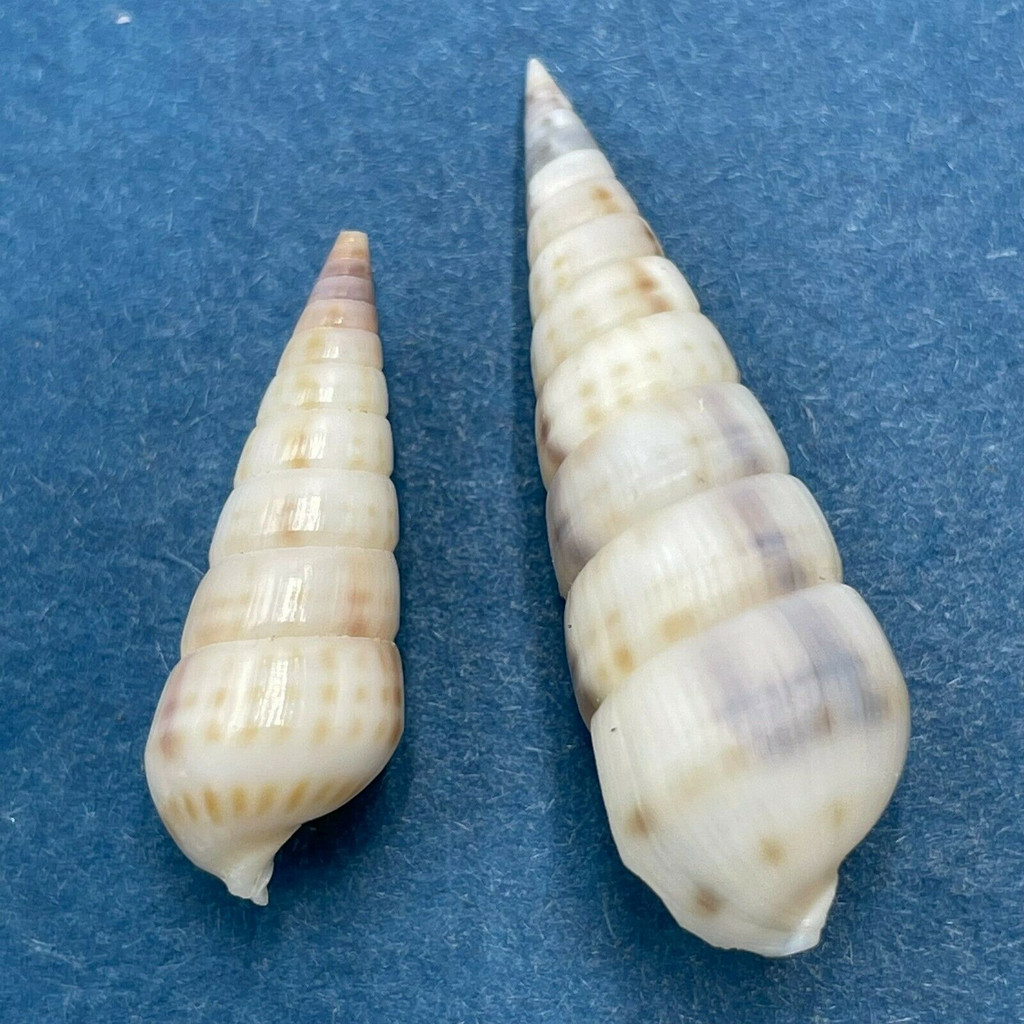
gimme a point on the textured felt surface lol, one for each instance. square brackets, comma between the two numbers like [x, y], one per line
[841, 181]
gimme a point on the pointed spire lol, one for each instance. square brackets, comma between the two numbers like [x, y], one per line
[551, 126]
[343, 294]
[346, 272]
[538, 78]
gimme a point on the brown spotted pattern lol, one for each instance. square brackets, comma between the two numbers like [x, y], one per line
[287, 700]
[672, 516]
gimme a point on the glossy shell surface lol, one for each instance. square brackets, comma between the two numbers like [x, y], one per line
[748, 717]
[288, 696]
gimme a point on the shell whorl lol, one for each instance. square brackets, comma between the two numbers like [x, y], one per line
[288, 696]
[749, 720]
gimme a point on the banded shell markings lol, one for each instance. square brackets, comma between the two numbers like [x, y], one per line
[288, 698]
[748, 718]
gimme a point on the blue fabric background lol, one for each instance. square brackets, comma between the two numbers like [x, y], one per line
[842, 183]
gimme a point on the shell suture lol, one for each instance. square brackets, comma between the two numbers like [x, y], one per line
[288, 696]
[748, 717]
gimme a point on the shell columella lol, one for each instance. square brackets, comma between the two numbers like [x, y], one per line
[749, 720]
[288, 700]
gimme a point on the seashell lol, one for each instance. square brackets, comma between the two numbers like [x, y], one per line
[287, 699]
[748, 717]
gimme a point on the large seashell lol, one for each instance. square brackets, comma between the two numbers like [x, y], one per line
[748, 718]
[287, 700]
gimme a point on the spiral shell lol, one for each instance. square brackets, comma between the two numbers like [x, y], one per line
[287, 699]
[748, 717]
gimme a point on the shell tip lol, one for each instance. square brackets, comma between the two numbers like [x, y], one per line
[536, 74]
[539, 82]
[551, 127]
[351, 245]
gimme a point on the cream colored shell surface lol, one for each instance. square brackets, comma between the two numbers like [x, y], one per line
[288, 697]
[748, 717]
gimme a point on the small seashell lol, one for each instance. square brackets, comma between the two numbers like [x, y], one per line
[748, 717]
[287, 700]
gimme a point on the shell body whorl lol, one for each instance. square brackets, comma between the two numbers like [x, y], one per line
[288, 700]
[748, 717]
